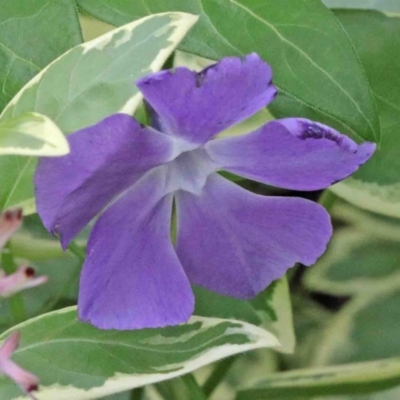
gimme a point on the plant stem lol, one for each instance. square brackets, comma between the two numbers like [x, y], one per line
[77, 251]
[16, 301]
[327, 199]
[137, 394]
[183, 388]
[217, 375]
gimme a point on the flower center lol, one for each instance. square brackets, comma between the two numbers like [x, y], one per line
[189, 171]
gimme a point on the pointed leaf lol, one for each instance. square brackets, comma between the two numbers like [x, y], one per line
[32, 134]
[271, 310]
[32, 34]
[77, 361]
[88, 83]
[343, 379]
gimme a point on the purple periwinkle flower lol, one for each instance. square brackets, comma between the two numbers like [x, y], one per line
[229, 240]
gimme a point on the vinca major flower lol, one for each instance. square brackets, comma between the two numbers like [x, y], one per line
[229, 240]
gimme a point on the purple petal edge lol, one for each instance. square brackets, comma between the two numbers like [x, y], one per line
[132, 277]
[105, 159]
[236, 243]
[197, 106]
[291, 153]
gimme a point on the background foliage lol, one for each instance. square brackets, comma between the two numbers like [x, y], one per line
[333, 61]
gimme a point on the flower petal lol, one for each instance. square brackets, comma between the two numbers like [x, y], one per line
[197, 106]
[132, 278]
[236, 243]
[10, 345]
[23, 278]
[292, 153]
[10, 221]
[24, 379]
[105, 159]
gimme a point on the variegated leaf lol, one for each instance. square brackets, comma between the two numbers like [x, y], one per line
[32, 134]
[88, 83]
[77, 361]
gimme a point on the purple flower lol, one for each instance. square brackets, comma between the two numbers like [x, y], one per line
[228, 240]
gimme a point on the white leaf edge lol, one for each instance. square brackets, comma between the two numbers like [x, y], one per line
[37, 126]
[381, 199]
[183, 23]
[260, 338]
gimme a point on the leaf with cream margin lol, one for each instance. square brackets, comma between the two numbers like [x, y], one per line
[356, 263]
[274, 308]
[88, 83]
[77, 361]
[32, 34]
[342, 379]
[365, 329]
[32, 134]
[382, 199]
[271, 310]
[365, 269]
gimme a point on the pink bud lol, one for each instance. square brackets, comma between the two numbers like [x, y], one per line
[22, 278]
[24, 379]
[10, 221]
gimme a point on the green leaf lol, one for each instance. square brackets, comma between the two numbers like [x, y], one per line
[375, 37]
[315, 66]
[212, 304]
[275, 310]
[374, 224]
[93, 28]
[366, 268]
[344, 379]
[88, 83]
[32, 134]
[32, 34]
[382, 199]
[271, 309]
[365, 329]
[77, 361]
[356, 263]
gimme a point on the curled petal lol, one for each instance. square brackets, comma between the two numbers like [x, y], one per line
[23, 278]
[105, 159]
[132, 278]
[24, 379]
[197, 106]
[236, 243]
[291, 153]
[10, 221]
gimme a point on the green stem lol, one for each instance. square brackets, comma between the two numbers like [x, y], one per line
[217, 375]
[16, 301]
[182, 388]
[327, 199]
[77, 251]
[137, 394]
